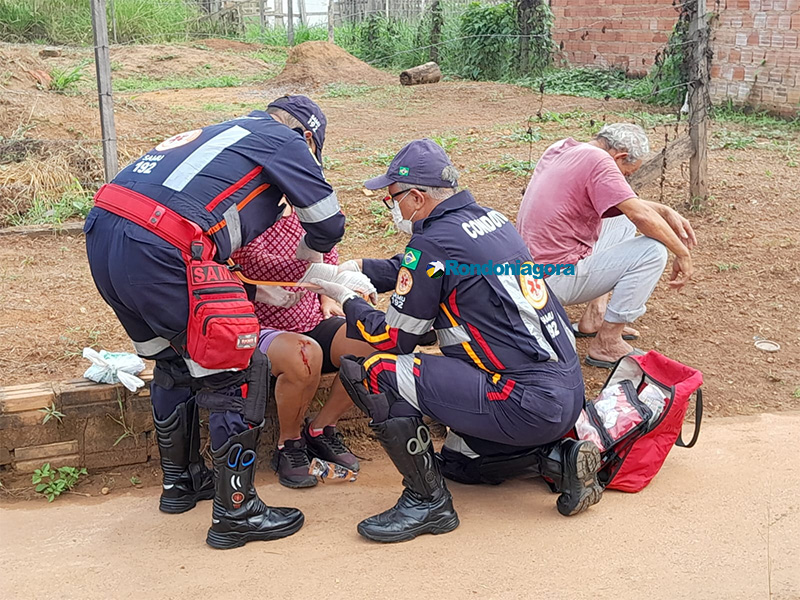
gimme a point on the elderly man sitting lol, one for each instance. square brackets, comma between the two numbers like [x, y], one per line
[580, 209]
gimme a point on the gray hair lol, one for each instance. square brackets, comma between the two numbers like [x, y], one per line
[284, 117]
[625, 137]
[449, 173]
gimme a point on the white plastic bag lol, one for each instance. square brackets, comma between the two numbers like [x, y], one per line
[114, 367]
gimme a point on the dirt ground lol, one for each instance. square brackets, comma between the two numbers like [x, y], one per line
[720, 522]
[748, 261]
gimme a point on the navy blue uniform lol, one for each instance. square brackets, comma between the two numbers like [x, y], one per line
[510, 372]
[228, 178]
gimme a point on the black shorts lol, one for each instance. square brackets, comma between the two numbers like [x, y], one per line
[323, 334]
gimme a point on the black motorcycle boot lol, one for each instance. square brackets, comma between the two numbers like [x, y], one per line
[239, 515]
[186, 478]
[572, 465]
[425, 505]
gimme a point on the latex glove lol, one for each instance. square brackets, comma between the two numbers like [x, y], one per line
[319, 271]
[277, 296]
[335, 291]
[350, 265]
[329, 308]
[358, 282]
[303, 252]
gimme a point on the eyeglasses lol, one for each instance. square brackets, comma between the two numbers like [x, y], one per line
[390, 202]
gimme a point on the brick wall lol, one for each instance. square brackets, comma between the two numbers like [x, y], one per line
[756, 54]
[755, 43]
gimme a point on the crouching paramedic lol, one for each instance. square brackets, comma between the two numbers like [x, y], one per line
[509, 380]
[157, 241]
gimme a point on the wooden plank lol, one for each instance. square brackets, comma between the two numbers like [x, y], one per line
[26, 397]
[46, 450]
[66, 460]
[34, 231]
[676, 152]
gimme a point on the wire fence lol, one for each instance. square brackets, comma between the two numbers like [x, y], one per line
[383, 41]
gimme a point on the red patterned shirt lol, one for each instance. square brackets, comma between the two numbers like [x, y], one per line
[270, 257]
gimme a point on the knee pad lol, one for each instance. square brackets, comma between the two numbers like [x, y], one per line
[244, 392]
[353, 377]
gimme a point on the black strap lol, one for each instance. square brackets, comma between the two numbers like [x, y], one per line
[698, 418]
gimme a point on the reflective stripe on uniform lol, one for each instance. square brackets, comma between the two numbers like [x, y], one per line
[456, 443]
[527, 313]
[231, 218]
[452, 336]
[406, 385]
[407, 323]
[195, 370]
[197, 160]
[150, 347]
[319, 211]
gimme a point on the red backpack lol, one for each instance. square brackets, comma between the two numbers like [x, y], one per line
[638, 417]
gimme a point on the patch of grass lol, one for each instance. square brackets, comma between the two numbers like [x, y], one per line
[331, 164]
[63, 80]
[721, 267]
[272, 55]
[733, 140]
[381, 158]
[135, 480]
[549, 116]
[526, 136]
[127, 430]
[70, 21]
[51, 210]
[346, 90]
[143, 83]
[51, 412]
[448, 142]
[588, 82]
[51, 482]
[509, 164]
[796, 393]
[730, 113]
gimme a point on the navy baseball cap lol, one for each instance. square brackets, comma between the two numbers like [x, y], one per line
[308, 112]
[420, 162]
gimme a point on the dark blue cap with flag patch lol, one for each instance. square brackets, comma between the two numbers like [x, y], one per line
[308, 112]
[421, 162]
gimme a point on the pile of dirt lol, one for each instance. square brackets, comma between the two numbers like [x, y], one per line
[316, 64]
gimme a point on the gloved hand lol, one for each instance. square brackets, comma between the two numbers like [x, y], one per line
[332, 290]
[350, 265]
[303, 252]
[319, 271]
[358, 282]
[277, 296]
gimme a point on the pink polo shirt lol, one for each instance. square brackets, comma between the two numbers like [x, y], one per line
[573, 187]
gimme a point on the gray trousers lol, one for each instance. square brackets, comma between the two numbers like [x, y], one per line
[620, 262]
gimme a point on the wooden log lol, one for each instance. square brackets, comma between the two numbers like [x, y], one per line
[673, 154]
[427, 73]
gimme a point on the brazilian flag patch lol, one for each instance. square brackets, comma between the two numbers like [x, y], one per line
[411, 258]
[403, 171]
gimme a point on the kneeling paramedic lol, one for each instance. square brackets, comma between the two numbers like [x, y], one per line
[509, 385]
[158, 240]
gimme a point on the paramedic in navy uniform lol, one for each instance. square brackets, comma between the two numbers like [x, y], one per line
[228, 179]
[509, 385]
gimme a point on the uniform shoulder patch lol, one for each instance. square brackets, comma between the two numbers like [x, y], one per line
[411, 258]
[179, 140]
[405, 281]
[534, 290]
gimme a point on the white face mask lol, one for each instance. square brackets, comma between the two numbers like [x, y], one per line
[403, 225]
